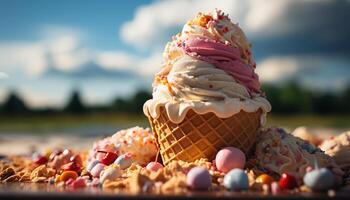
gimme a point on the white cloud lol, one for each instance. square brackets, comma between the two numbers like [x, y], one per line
[153, 23]
[3, 75]
[60, 50]
[115, 60]
[277, 68]
[27, 56]
[149, 66]
[314, 71]
[262, 14]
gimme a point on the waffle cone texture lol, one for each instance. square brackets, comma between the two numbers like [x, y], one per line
[203, 135]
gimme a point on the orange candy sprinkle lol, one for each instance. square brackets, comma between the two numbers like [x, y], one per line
[66, 175]
[264, 179]
[203, 20]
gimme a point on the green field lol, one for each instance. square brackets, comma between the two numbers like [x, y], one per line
[38, 124]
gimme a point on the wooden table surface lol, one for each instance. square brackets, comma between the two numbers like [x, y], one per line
[45, 191]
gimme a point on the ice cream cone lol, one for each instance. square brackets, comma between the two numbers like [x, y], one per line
[203, 135]
[207, 95]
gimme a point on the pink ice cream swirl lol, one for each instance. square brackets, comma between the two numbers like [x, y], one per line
[224, 57]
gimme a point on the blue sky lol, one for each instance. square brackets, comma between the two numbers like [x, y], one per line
[111, 48]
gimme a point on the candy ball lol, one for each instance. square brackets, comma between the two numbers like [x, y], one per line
[198, 178]
[97, 169]
[91, 165]
[275, 188]
[71, 167]
[76, 159]
[229, 158]
[110, 173]
[35, 155]
[319, 179]
[154, 166]
[78, 183]
[66, 175]
[264, 179]
[236, 179]
[109, 158]
[287, 182]
[40, 160]
[124, 161]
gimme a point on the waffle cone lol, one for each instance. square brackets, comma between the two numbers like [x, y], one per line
[203, 135]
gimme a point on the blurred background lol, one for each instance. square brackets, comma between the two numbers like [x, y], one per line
[86, 67]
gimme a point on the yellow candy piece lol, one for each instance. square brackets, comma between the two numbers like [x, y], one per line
[66, 175]
[47, 153]
[203, 20]
[264, 179]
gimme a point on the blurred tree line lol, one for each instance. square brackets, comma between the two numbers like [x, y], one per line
[286, 99]
[292, 98]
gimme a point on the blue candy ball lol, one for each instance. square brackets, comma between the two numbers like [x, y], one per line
[198, 178]
[92, 164]
[236, 179]
[124, 161]
[319, 179]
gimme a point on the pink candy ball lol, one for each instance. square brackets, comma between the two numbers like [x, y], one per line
[198, 178]
[154, 166]
[79, 183]
[275, 188]
[97, 169]
[229, 158]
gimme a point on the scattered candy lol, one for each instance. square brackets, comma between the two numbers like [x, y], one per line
[66, 175]
[154, 166]
[319, 179]
[78, 183]
[229, 158]
[35, 155]
[109, 158]
[265, 188]
[198, 178]
[287, 182]
[275, 188]
[47, 152]
[236, 180]
[40, 160]
[92, 165]
[76, 159]
[309, 169]
[51, 181]
[69, 181]
[71, 167]
[264, 179]
[95, 182]
[97, 169]
[67, 152]
[54, 154]
[110, 173]
[124, 161]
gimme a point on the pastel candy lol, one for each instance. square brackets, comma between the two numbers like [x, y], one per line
[154, 166]
[79, 183]
[110, 173]
[275, 188]
[97, 169]
[124, 161]
[236, 179]
[91, 165]
[198, 178]
[229, 158]
[35, 155]
[319, 179]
